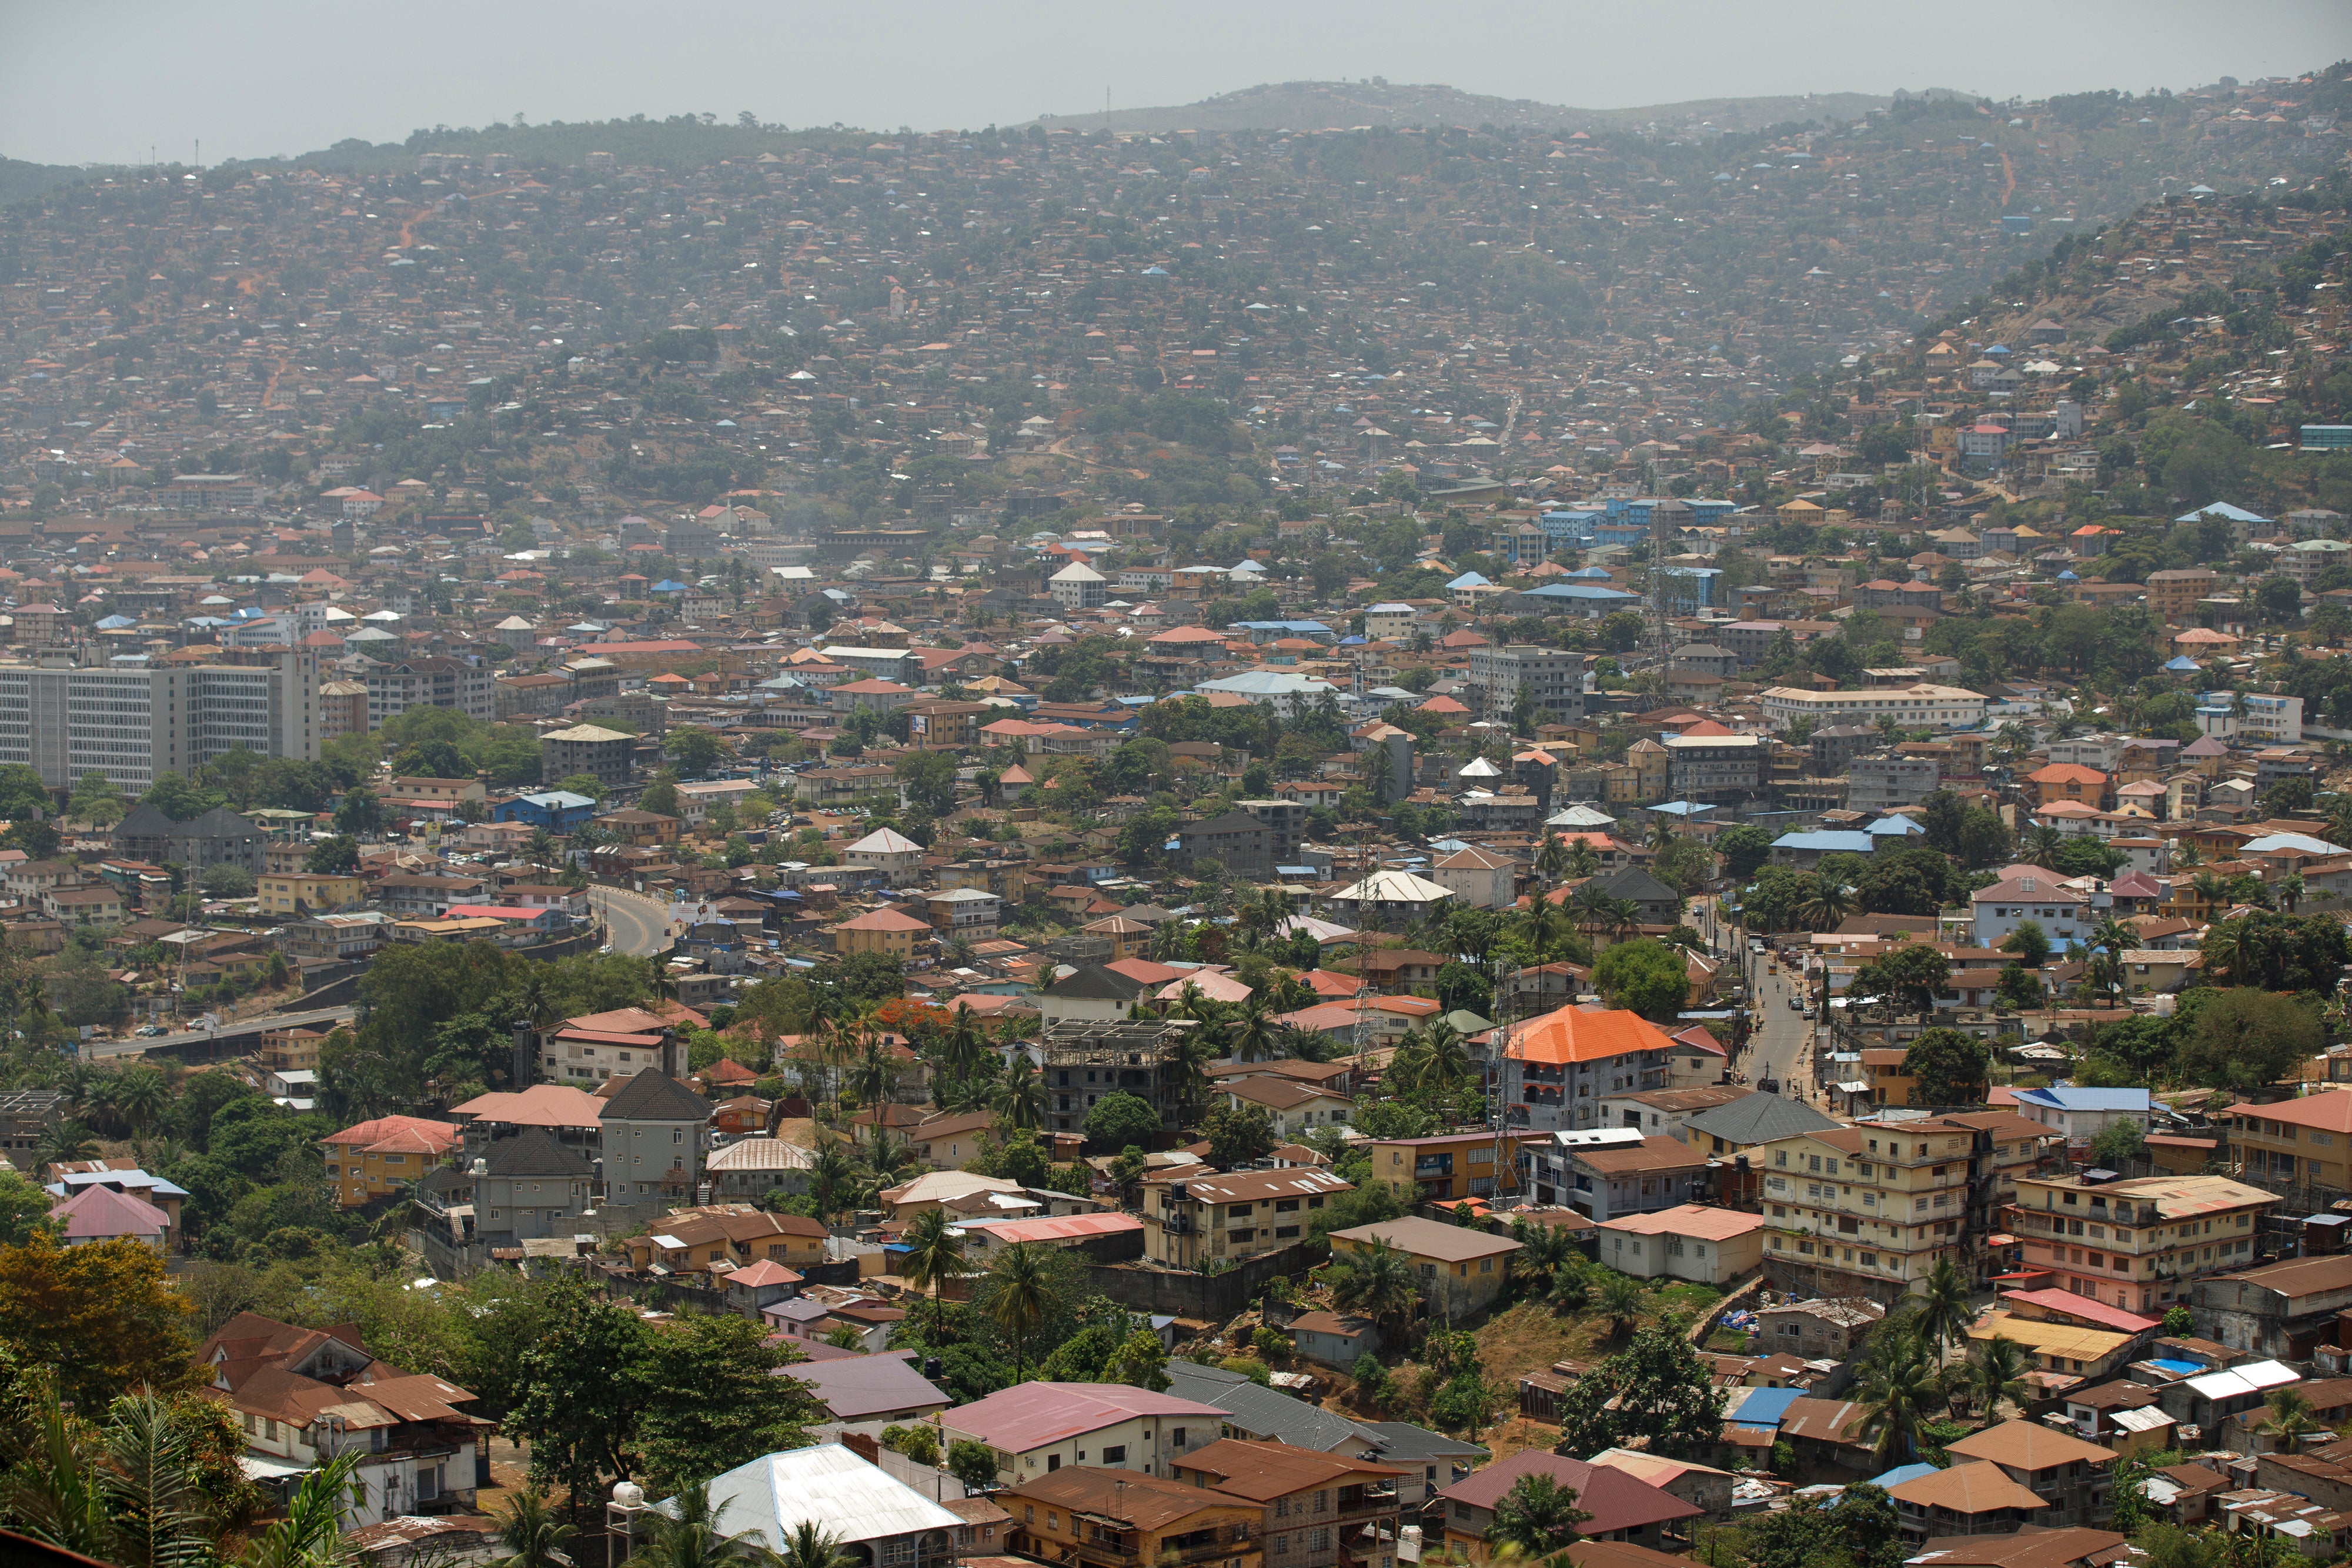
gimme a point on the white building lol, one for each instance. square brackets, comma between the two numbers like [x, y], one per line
[132, 721]
[889, 852]
[2083, 1114]
[2028, 892]
[1078, 586]
[1389, 900]
[1287, 695]
[1479, 878]
[1920, 706]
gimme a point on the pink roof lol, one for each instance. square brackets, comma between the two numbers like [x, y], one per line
[1215, 986]
[1697, 1039]
[96, 1213]
[2134, 885]
[1032, 1414]
[767, 1273]
[540, 1105]
[1063, 1227]
[410, 1130]
[1691, 1219]
[2068, 1305]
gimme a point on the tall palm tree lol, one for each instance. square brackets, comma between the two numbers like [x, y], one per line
[1254, 1031]
[2290, 891]
[141, 1097]
[1827, 904]
[1943, 1312]
[1900, 1388]
[1583, 860]
[934, 1255]
[873, 1074]
[888, 1161]
[1021, 1097]
[1996, 1373]
[1542, 1249]
[1660, 836]
[533, 1531]
[2040, 846]
[1536, 1518]
[310, 1535]
[832, 1180]
[1622, 918]
[1552, 857]
[1376, 1282]
[2211, 890]
[1019, 1295]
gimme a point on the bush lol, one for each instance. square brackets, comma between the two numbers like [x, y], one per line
[1273, 1344]
[1249, 1366]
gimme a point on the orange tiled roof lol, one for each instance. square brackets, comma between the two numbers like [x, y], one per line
[1573, 1034]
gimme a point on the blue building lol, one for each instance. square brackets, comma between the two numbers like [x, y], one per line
[557, 810]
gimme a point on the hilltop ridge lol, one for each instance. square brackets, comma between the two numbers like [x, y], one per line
[1346, 105]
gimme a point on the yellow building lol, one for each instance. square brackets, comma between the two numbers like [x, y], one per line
[380, 1158]
[2138, 1244]
[1648, 759]
[1867, 1205]
[887, 931]
[295, 894]
[2304, 1142]
[1460, 1269]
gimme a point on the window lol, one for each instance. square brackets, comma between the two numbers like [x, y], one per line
[1115, 1454]
[1177, 1438]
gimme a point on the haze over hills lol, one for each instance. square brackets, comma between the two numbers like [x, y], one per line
[1342, 105]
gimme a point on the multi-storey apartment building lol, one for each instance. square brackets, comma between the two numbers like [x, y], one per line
[1716, 768]
[2306, 1142]
[1554, 680]
[394, 688]
[1557, 1068]
[1186, 1223]
[2173, 595]
[1889, 779]
[132, 720]
[1868, 1211]
[2138, 1244]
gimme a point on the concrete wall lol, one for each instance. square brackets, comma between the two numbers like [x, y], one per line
[1184, 1293]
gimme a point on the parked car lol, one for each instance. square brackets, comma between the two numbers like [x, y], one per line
[149, 1032]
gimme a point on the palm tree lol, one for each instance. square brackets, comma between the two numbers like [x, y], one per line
[141, 1097]
[2211, 890]
[2290, 891]
[1997, 1373]
[873, 1075]
[1620, 1300]
[934, 1255]
[1583, 860]
[808, 1546]
[1551, 858]
[888, 1161]
[692, 1537]
[833, 1178]
[64, 1142]
[1622, 918]
[1943, 1312]
[1021, 1094]
[1899, 1390]
[1254, 1031]
[2041, 847]
[1542, 1249]
[310, 1535]
[2290, 1416]
[1827, 904]
[533, 1531]
[1374, 1281]
[1020, 1293]
[1536, 1518]
[1660, 836]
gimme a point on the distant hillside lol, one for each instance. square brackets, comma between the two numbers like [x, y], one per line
[19, 179]
[1324, 105]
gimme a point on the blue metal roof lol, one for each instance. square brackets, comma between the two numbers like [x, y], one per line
[1763, 1407]
[1901, 1473]
[1826, 841]
[1886, 827]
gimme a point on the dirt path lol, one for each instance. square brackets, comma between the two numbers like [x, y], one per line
[2008, 175]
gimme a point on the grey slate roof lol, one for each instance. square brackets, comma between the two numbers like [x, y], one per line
[1092, 982]
[651, 1096]
[1261, 1411]
[1402, 1443]
[531, 1153]
[1758, 1118]
[1639, 886]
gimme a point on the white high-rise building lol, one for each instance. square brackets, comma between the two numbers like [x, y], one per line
[132, 720]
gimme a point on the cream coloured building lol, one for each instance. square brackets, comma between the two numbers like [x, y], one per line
[1920, 706]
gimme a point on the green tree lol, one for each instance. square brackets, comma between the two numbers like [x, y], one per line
[713, 1401]
[584, 1392]
[1536, 1518]
[1900, 1389]
[2244, 1038]
[1120, 1119]
[934, 1255]
[2118, 1144]
[2030, 943]
[1643, 976]
[1141, 1362]
[1374, 1281]
[1996, 1373]
[1952, 1067]
[930, 780]
[1238, 1134]
[23, 1209]
[531, 1532]
[1656, 1393]
[1745, 849]
[1904, 972]
[1019, 1293]
[695, 749]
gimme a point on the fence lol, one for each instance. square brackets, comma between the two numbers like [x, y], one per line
[1184, 1293]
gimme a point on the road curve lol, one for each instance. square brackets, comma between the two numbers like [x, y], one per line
[637, 924]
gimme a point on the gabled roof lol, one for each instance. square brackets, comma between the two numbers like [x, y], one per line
[1032, 1414]
[532, 1153]
[1572, 1034]
[1758, 1118]
[651, 1096]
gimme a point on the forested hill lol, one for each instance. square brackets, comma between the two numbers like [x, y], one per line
[1344, 105]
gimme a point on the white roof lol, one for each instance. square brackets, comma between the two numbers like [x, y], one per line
[2146, 1420]
[1077, 571]
[887, 842]
[1395, 887]
[2252, 1378]
[828, 1486]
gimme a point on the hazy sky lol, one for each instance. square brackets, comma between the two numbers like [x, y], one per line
[104, 81]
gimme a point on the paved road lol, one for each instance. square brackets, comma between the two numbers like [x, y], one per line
[311, 1019]
[637, 924]
[1778, 1046]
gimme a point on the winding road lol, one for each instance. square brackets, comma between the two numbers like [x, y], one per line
[637, 924]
